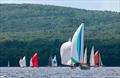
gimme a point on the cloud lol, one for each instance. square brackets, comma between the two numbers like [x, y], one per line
[113, 5]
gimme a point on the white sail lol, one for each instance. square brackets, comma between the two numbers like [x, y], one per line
[85, 56]
[65, 52]
[78, 45]
[21, 62]
[24, 61]
[54, 61]
[8, 64]
[31, 62]
[92, 61]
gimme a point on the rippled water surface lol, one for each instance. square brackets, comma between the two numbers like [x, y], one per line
[59, 72]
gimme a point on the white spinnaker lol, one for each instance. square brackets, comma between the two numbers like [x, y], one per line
[92, 60]
[85, 56]
[78, 45]
[21, 62]
[65, 52]
[24, 61]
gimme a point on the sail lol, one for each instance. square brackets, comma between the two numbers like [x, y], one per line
[77, 45]
[65, 52]
[35, 60]
[92, 63]
[31, 62]
[8, 64]
[24, 61]
[85, 56]
[54, 61]
[21, 62]
[100, 61]
[96, 57]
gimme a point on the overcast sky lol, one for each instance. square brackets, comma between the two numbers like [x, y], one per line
[110, 5]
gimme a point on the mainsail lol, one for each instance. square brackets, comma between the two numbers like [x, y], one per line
[85, 57]
[21, 62]
[78, 45]
[31, 62]
[24, 61]
[65, 52]
[8, 64]
[35, 60]
[100, 60]
[92, 62]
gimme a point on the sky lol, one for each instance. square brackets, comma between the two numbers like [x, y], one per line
[109, 5]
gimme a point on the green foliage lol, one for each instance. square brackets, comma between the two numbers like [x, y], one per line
[25, 28]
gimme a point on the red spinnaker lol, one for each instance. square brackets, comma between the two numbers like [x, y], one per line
[35, 60]
[96, 57]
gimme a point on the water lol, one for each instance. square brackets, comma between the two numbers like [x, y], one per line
[59, 72]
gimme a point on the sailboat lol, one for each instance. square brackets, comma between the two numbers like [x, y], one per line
[98, 61]
[65, 52]
[8, 64]
[77, 45]
[54, 61]
[92, 61]
[84, 65]
[22, 62]
[35, 60]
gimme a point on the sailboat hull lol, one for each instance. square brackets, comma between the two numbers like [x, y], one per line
[84, 67]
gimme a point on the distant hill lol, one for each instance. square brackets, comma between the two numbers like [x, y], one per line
[28, 27]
